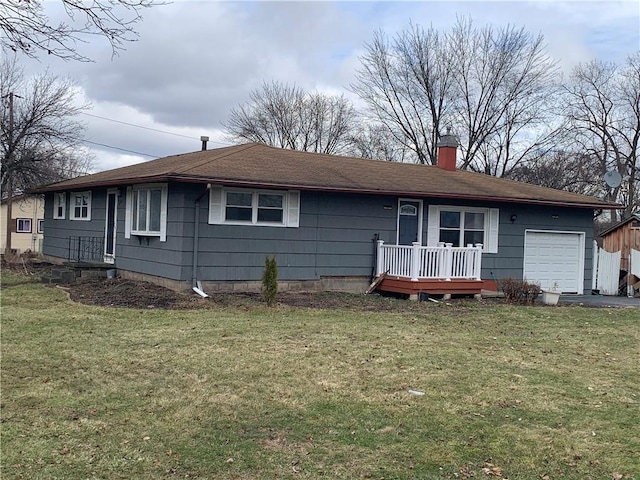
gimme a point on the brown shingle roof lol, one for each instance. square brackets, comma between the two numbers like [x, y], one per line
[624, 221]
[260, 165]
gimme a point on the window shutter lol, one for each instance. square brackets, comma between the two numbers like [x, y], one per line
[433, 226]
[127, 213]
[494, 220]
[293, 207]
[163, 213]
[215, 205]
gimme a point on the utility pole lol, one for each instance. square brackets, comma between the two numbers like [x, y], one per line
[9, 226]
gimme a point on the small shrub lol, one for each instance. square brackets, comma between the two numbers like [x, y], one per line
[270, 280]
[519, 291]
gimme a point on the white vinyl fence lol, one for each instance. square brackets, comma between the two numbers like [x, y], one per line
[634, 263]
[606, 270]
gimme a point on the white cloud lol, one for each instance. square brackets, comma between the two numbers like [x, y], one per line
[194, 61]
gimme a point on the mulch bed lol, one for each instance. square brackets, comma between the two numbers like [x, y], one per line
[119, 292]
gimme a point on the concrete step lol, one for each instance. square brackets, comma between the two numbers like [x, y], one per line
[59, 276]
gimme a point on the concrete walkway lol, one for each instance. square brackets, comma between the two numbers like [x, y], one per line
[599, 301]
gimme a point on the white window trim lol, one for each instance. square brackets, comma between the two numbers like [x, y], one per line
[40, 227]
[290, 207]
[491, 221]
[18, 220]
[56, 204]
[72, 207]
[128, 216]
[420, 216]
[110, 258]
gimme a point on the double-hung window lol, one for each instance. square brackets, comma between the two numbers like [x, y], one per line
[461, 226]
[254, 207]
[146, 213]
[59, 205]
[23, 225]
[80, 208]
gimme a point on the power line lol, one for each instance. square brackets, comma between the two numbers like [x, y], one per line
[121, 149]
[139, 126]
[148, 128]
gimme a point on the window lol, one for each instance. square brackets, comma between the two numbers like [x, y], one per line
[254, 207]
[410, 210]
[146, 213]
[80, 208]
[23, 225]
[40, 225]
[59, 205]
[462, 226]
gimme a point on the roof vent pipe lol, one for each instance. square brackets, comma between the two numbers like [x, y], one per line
[448, 152]
[204, 141]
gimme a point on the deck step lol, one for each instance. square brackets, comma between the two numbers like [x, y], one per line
[432, 287]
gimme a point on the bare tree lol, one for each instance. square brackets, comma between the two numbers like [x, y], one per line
[40, 140]
[408, 88]
[371, 140]
[492, 87]
[603, 113]
[285, 116]
[26, 28]
[562, 170]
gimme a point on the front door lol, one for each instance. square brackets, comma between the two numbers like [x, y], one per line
[110, 227]
[409, 221]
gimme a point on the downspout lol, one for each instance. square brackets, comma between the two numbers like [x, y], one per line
[196, 238]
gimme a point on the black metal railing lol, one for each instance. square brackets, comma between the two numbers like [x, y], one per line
[86, 249]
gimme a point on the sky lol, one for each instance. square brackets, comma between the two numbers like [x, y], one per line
[196, 60]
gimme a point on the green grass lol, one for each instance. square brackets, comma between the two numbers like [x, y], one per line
[252, 392]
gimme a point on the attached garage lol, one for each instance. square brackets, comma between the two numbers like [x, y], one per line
[552, 257]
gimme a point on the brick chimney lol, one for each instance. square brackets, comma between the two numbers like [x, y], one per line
[447, 152]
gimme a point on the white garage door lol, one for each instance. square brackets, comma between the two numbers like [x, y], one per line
[555, 258]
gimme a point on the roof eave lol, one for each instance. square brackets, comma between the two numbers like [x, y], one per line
[321, 188]
[486, 198]
[59, 187]
[634, 216]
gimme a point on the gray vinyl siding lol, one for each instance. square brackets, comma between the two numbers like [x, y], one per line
[334, 238]
[148, 255]
[508, 262]
[58, 231]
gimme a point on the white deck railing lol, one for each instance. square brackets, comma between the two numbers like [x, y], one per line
[443, 262]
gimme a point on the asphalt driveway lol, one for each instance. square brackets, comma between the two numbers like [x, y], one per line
[599, 301]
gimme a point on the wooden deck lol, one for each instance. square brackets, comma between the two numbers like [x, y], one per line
[434, 287]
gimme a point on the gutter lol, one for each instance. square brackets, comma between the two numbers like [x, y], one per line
[195, 284]
[248, 183]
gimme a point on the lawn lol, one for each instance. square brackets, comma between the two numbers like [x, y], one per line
[251, 392]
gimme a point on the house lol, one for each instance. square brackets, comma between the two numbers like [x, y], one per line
[211, 217]
[27, 214]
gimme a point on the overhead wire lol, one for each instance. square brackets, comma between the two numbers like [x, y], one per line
[139, 126]
[142, 127]
[121, 149]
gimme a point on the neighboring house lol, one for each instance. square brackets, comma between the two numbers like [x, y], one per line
[27, 213]
[623, 237]
[213, 216]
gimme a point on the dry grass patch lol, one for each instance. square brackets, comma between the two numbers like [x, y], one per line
[251, 392]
